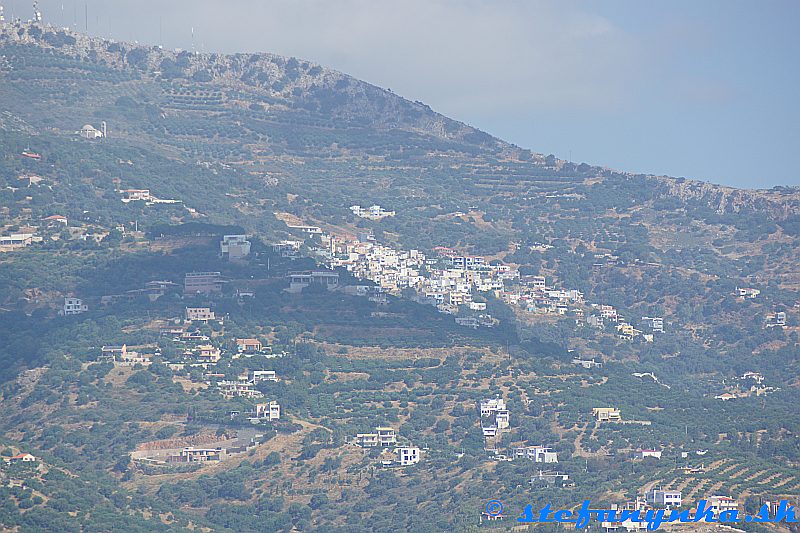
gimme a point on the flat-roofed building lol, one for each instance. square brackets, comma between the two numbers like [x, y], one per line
[234, 247]
[664, 498]
[200, 314]
[198, 455]
[300, 280]
[607, 414]
[73, 306]
[202, 283]
[407, 455]
[270, 411]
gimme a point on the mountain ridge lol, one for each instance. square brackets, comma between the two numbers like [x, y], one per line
[288, 84]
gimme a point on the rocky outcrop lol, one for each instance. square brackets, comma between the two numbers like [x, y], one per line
[778, 203]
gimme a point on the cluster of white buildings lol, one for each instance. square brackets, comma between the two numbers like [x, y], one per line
[533, 293]
[746, 385]
[448, 282]
[604, 315]
[199, 351]
[453, 282]
[630, 516]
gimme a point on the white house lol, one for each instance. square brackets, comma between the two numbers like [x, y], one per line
[262, 375]
[407, 455]
[656, 323]
[270, 411]
[234, 247]
[664, 498]
[73, 306]
[90, 132]
[491, 406]
[538, 454]
[200, 314]
[649, 453]
[22, 458]
[720, 504]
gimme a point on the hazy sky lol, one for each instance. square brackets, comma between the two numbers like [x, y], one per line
[702, 89]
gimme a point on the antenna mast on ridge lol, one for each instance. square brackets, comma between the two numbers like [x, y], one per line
[37, 15]
[2, 17]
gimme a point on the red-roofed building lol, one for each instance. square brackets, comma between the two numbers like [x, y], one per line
[22, 458]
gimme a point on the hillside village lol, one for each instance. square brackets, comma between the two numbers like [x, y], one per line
[207, 329]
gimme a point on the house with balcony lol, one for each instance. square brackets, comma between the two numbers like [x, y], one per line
[719, 504]
[257, 376]
[537, 454]
[135, 195]
[202, 283]
[300, 280]
[382, 437]
[366, 440]
[207, 353]
[248, 346]
[776, 320]
[266, 412]
[113, 352]
[655, 323]
[73, 306]
[243, 389]
[234, 247]
[588, 364]
[490, 406]
[550, 477]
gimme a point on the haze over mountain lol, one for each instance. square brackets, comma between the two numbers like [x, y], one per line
[697, 90]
